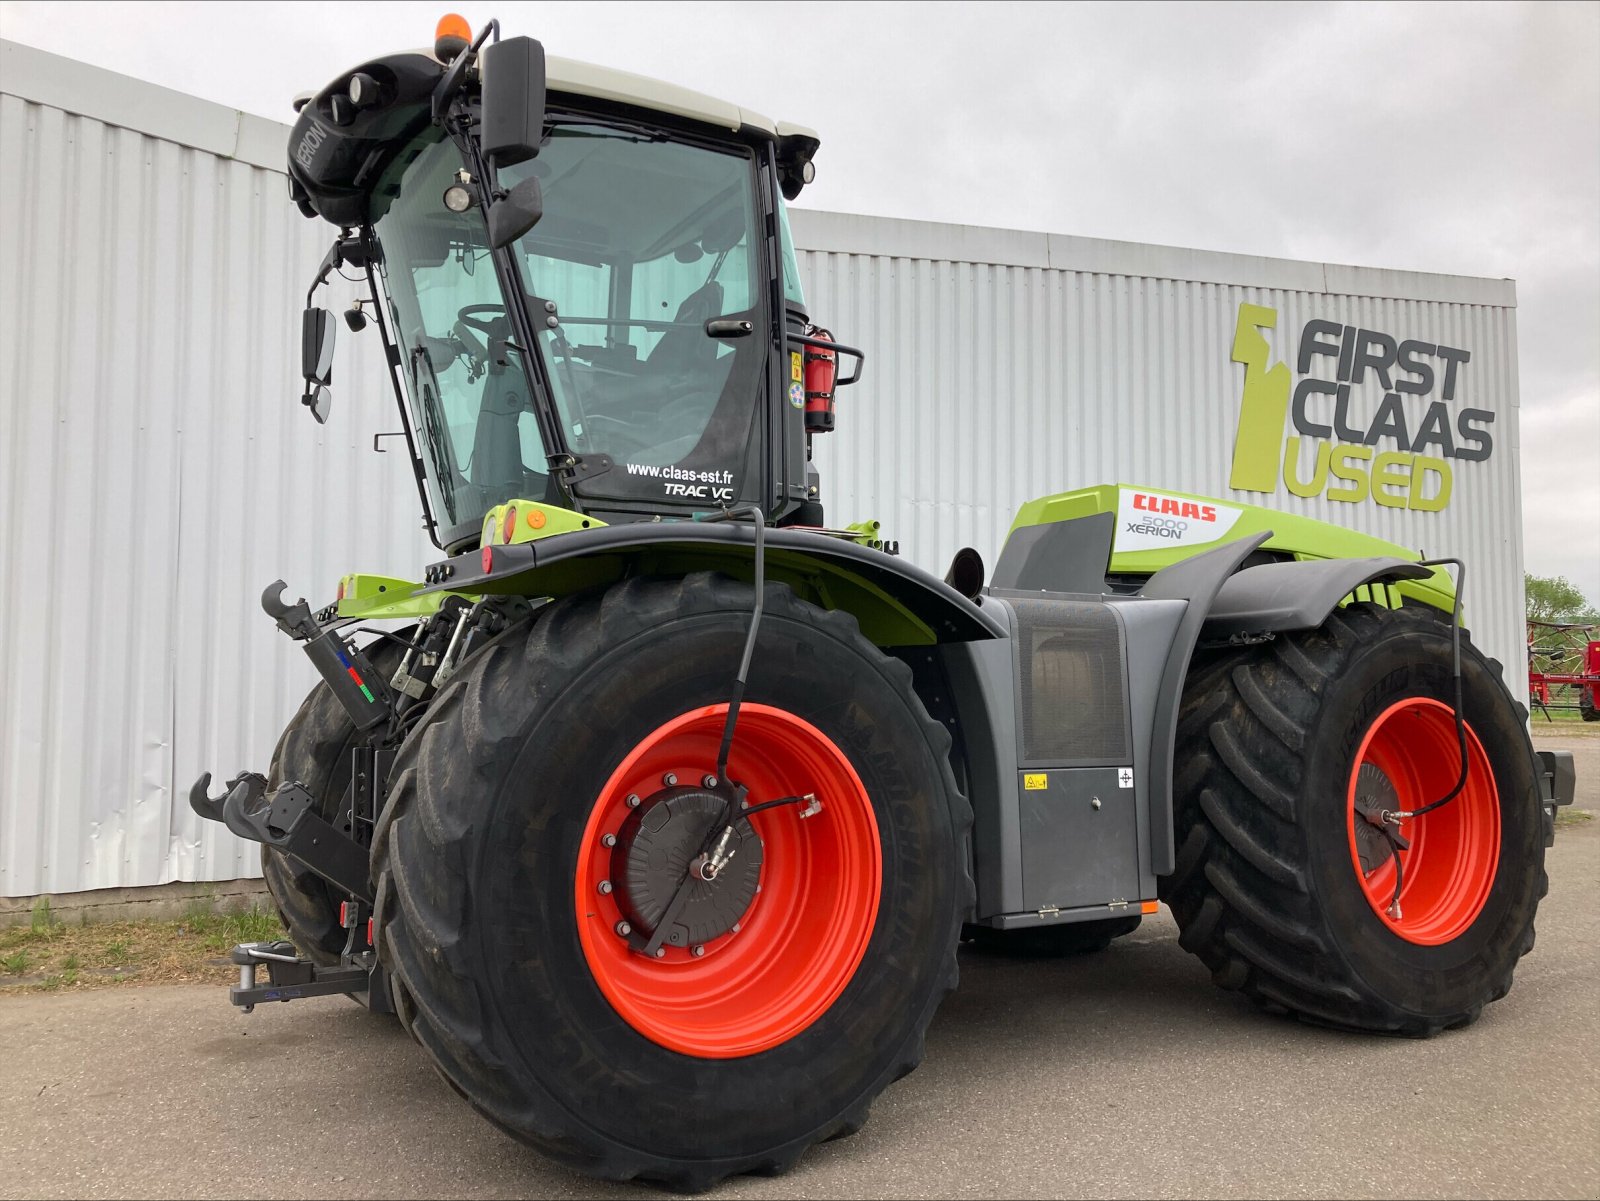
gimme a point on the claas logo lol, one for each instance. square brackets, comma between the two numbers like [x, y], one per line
[1170, 506]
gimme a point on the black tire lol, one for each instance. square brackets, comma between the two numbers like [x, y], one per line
[1045, 942]
[311, 750]
[1586, 706]
[1265, 891]
[485, 959]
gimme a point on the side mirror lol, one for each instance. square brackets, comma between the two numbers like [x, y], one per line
[316, 346]
[319, 400]
[515, 213]
[512, 71]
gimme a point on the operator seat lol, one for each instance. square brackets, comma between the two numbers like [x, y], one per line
[687, 346]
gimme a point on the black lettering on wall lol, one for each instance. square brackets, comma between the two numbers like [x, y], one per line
[1341, 413]
[1347, 350]
[1310, 346]
[1303, 390]
[1480, 437]
[1453, 358]
[1435, 430]
[1413, 360]
[1382, 358]
[1390, 422]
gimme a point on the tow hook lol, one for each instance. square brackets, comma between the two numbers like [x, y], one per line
[286, 819]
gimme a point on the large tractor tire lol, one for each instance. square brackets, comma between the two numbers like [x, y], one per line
[1284, 889]
[312, 750]
[551, 802]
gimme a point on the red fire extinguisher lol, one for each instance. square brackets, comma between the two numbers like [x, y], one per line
[822, 369]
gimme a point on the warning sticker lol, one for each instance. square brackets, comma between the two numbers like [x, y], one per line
[1036, 781]
[796, 372]
[1154, 521]
[1124, 777]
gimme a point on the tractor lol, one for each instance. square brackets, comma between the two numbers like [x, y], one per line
[662, 816]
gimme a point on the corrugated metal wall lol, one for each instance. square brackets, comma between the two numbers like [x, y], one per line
[155, 469]
[989, 384]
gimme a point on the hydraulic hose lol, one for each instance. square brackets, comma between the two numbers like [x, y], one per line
[1461, 737]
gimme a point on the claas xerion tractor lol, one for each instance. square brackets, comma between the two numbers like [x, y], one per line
[661, 820]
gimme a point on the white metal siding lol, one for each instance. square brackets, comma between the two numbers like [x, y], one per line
[156, 470]
[989, 384]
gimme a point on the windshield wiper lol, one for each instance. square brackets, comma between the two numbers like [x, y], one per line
[614, 127]
[434, 424]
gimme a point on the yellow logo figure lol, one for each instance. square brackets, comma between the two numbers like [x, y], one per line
[1265, 405]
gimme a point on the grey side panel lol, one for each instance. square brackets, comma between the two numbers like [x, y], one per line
[1061, 556]
[1046, 854]
[1196, 580]
[1151, 626]
[983, 690]
[1080, 839]
[1296, 596]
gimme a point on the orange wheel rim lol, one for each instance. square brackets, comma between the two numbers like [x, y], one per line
[797, 946]
[1449, 868]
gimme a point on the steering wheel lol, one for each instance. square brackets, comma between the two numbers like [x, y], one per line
[480, 316]
[487, 319]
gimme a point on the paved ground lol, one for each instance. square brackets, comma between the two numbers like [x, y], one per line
[1122, 1074]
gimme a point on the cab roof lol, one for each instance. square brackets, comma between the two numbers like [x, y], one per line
[623, 87]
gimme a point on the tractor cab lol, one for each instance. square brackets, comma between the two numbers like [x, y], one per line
[585, 281]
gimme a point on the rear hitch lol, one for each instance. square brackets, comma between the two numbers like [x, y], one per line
[290, 977]
[286, 819]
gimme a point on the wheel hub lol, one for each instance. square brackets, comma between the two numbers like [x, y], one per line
[1375, 795]
[655, 851]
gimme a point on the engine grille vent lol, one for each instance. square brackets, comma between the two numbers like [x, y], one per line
[1069, 664]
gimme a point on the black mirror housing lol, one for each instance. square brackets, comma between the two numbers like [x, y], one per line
[513, 76]
[316, 346]
[515, 213]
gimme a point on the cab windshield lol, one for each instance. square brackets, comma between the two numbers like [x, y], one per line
[469, 392]
[641, 279]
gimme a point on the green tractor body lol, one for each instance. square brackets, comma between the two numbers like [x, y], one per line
[662, 818]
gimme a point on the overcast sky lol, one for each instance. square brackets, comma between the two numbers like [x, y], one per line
[1460, 139]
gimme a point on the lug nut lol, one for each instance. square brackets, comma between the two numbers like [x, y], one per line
[605, 888]
[633, 800]
[670, 779]
[661, 952]
[623, 929]
[608, 840]
[709, 781]
[735, 929]
[699, 951]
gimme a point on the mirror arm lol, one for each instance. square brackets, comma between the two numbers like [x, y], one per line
[456, 75]
[330, 261]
